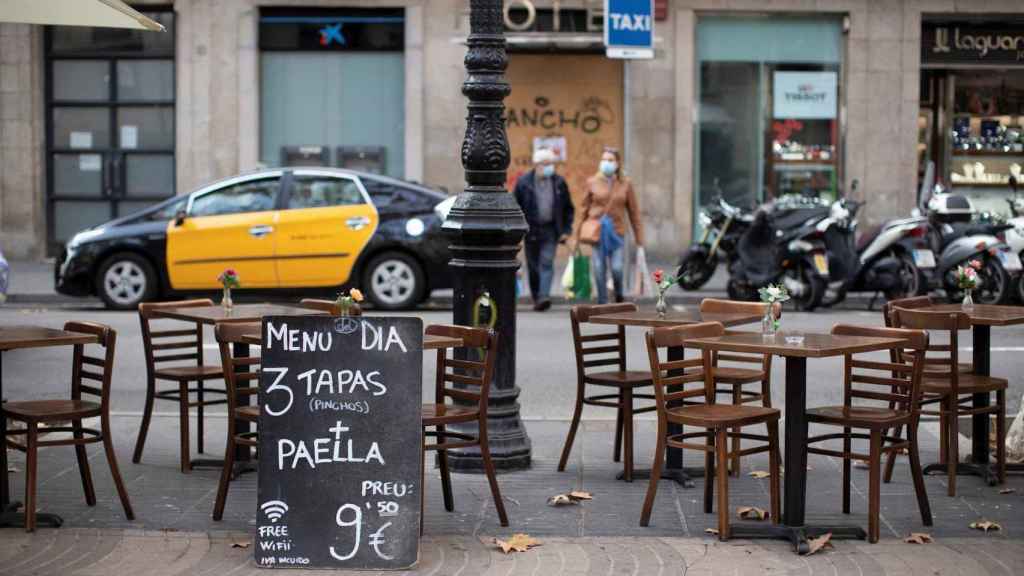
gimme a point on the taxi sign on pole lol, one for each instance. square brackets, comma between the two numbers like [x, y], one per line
[629, 28]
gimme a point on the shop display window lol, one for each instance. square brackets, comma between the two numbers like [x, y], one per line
[987, 132]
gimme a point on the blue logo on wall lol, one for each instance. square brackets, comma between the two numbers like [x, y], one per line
[331, 33]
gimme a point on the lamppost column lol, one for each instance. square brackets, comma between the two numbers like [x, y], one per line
[486, 227]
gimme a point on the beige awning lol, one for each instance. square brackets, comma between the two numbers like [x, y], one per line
[100, 13]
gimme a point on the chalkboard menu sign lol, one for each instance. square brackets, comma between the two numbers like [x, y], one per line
[340, 437]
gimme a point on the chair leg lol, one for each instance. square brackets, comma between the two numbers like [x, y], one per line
[709, 472]
[199, 416]
[446, 475]
[890, 461]
[652, 486]
[572, 429]
[773, 469]
[147, 414]
[1001, 434]
[115, 470]
[83, 464]
[874, 484]
[722, 478]
[918, 476]
[627, 434]
[943, 433]
[953, 441]
[225, 476]
[485, 455]
[617, 449]
[31, 462]
[846, 469]
[734, 461]
[186, 462]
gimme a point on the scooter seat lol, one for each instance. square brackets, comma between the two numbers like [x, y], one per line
[795, 218]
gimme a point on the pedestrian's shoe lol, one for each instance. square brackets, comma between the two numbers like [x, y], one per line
[542, 305]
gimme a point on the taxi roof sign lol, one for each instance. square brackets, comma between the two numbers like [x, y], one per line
[629, 28]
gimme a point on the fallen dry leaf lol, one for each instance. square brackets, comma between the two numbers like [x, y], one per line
[985, 525]
[1007, 490]
[861, 464]
[759, 474]
[518, 542]
[918, 538]
[580, 495]
[820, 543]
[751, 513]
[241, 544]
[13, 469]
[560, 500]
[711, 531]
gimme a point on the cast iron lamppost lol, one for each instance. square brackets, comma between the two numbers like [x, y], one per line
[486, 227]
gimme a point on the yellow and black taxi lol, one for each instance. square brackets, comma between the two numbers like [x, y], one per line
[285, 228]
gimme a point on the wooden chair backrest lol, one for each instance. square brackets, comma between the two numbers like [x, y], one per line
[329, 306]
[612, 348]
[719, 306]
[899, 378]
[241, 374]
[911, 303]
[171, 346]
[470, 380]
[940, 360]
[87, 367]
[671, 377]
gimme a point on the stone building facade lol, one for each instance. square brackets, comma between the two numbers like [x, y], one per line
[873, 136]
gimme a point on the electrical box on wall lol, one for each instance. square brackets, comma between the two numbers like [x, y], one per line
[305, 156]
[366, 158]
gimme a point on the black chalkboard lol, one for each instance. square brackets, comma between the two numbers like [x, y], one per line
[340, 437]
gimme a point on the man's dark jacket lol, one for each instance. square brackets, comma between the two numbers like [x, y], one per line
[562, 212]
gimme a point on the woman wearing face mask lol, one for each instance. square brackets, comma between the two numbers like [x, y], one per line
[608, 200]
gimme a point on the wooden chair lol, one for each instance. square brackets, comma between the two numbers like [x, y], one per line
[917, 303]
[166, 351]
[471, 384]
[58, 412]
[700, 411]
[241, 379]
[952, 389]
[329, 306]
[900, 382]
[730, 380]
[609, 351]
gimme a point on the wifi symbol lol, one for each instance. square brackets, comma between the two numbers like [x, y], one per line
[274, 509]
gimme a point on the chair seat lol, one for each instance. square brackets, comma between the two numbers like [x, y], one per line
[730, 375]
[627, 378]
[248, 412]
[721, 415]
[862, 416]
[190, 373]
[434, 414]
[42, 410]
[968, 384]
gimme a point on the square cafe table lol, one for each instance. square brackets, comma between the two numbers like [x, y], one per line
[795, 457]
[688, 315]
[13, 338]
[983, 318]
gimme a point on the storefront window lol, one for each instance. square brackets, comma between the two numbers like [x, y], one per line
[768, 90]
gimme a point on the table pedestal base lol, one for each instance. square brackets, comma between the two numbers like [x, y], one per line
[796, 535]
[11, 518]
[986, 471]
[682, 476]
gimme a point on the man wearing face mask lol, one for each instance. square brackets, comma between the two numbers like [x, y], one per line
[544, 198]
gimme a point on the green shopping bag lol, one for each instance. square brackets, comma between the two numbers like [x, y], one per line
[580, 276]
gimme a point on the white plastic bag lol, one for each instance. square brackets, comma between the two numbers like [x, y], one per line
[567, 276]
[1015, 438]
[642, 281]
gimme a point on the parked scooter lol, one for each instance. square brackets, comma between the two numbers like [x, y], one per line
[1014, 235]
[723, 225]
[784, 246]
[959, 240]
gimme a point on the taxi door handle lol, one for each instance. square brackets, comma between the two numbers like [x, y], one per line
[260, 231]
[357, 222]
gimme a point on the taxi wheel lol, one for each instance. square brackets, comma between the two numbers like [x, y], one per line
[394, 281]
[124, 280]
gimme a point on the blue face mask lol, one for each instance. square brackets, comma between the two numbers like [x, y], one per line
[548, 170]
[608, 167]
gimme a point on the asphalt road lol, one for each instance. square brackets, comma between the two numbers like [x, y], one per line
[545, 366]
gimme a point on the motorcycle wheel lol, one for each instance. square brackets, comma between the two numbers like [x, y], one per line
[816, 286]
[737, 292]
[694, 272]
[912, 280]
[1020, 289]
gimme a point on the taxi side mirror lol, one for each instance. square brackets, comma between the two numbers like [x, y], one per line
[179, 218]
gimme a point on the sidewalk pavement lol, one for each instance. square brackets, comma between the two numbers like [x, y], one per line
[174, 534]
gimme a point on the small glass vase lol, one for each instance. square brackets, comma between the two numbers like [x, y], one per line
[660, 306]
[968, 303]
[226, 300]
[769, 326]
